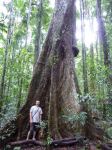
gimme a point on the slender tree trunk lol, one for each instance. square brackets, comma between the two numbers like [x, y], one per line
[97, 62]
[9, 86]
[28, 22]
[38, 32]
[106, 51]
[102, 34]
[92, 66]
[92, 70]
[20, 82]
[85, 81]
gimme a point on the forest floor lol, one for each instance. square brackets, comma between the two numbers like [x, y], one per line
[91, 145]
[65, 148]
[22, 145]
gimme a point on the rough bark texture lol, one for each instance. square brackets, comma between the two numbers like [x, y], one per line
[38, 31]
[53, 78]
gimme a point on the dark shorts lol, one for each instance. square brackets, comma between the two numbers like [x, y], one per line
[34, 126]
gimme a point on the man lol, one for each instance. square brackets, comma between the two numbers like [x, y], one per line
[35, 119]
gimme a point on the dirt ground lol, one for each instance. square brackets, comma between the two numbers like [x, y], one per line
[39, 148]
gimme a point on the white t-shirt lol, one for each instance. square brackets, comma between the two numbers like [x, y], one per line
[36, 111]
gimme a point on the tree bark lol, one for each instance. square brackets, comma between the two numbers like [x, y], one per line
[92, 70]
[20, 82]
[38, 34]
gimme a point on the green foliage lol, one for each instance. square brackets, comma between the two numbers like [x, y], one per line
[43, 124]
[3, 27]
[109, 132]
[49, 140]
[8, 112]
[20, 57]
[74, 118]
[97, 73]
[17, 148]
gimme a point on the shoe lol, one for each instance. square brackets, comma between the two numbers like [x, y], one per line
[34, 139]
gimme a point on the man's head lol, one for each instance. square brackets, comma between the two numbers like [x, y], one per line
[37, 103]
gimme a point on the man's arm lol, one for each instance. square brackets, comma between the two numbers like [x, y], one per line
[30, 117]
[40, 115]
[40, 118]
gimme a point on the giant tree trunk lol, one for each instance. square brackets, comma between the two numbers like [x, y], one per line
[53, 78]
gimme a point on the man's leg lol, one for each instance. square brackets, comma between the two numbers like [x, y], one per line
[35, 129]
[28, 135]
[31, 130]
[34, 134]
